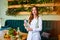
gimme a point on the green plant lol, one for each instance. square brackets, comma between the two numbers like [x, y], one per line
[12, 3]
[11, 31]
[29, 2]
[14, 11]
[11, 12]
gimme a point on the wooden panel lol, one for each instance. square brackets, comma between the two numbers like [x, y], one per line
[55, 28]
[53, 31]
[58, 27]
[58, 37]
[57, 1]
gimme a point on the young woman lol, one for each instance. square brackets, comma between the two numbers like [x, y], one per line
[35, 25]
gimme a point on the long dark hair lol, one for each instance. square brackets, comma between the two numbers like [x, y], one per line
[31, 15]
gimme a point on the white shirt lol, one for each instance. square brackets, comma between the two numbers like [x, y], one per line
[37, 27]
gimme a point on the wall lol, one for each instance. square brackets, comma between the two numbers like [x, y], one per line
[4, 7]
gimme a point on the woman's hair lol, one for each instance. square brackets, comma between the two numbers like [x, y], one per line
[31, 15]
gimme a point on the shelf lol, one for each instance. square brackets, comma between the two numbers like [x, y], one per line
[50, 13]
[23, 13]
[30, 5]
[12, 0]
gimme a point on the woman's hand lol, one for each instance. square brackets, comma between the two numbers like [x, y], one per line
[29, 29]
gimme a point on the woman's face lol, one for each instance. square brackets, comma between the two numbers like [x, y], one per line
[34, 11]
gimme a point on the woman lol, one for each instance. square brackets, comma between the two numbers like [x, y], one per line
[35, 25]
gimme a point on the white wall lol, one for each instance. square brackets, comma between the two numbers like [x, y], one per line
[4, 7]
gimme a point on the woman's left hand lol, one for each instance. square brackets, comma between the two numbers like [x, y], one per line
[29, 29]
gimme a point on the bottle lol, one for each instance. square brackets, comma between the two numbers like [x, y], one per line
[18, 30]
[27, 24]
[18, 34]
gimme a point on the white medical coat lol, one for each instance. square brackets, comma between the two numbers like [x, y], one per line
[35, 34]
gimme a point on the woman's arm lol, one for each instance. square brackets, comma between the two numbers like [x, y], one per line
[36, 29]
[39, 24]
